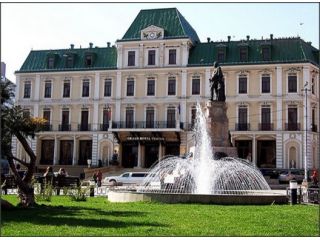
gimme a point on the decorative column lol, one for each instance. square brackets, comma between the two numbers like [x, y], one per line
[55, 151]
[141, 55]
[139, 155]
[74, 159]
[36, 96]
[161, 55]
[254, 150]
[119, 58]
[118, 97]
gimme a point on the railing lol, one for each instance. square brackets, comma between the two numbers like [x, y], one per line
[242, 126]
[64, 127]
[314, 128]
[292, 127]
[47, 127]
[139, 124]
[265, 126]
[84, 127]
[104, 127]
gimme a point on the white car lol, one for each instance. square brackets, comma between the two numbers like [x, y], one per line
[127, 178]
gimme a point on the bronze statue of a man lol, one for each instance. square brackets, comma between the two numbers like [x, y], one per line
[217, 84]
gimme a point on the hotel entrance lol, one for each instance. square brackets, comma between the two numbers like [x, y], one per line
[129, 154]
[151, 154]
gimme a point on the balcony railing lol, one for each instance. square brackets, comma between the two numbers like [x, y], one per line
[84, 127]
[47, 127]
[104, 127]
[139, 124]
[266, 126]
[314, 128]
[242, 126]
[64, 127]
[292, 127]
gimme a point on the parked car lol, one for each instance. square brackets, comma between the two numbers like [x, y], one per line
[127, 178]
[286, 176]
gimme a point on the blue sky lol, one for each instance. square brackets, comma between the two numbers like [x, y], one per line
[57, 25]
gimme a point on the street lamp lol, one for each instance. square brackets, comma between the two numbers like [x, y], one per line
[305, 89]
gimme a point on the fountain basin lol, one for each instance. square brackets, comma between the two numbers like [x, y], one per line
[253, 198]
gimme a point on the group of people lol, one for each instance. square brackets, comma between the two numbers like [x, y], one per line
[49, 172]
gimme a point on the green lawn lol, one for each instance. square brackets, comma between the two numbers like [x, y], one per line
[98, 217]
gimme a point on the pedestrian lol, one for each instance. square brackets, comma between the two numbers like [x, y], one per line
[314, 177]
[99, 178]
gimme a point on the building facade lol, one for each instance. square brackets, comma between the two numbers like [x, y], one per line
[138, 97]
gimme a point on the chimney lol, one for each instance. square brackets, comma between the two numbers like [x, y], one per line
[271, 36]
[229, 37]
[108, 44]
[72, 46]
[91, 44]
[248, 37]
[208, 39]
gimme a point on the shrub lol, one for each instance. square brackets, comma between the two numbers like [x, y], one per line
[45, 194]
[78, 194]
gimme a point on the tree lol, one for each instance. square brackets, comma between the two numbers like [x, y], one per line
[15, 123]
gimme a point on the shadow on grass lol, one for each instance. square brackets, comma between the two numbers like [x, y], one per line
[75, 216]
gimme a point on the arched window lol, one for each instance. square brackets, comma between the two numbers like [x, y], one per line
[292, 157]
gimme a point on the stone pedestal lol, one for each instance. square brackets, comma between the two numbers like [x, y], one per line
[218, 128]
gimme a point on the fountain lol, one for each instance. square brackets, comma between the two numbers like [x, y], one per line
[208, 175]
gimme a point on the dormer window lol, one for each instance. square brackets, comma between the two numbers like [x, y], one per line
[266, 53]
[89, 60]
[50, 62]
[243, 54]
[221, 55]
[69, 61]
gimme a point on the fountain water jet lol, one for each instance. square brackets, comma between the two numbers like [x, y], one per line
[201, 174]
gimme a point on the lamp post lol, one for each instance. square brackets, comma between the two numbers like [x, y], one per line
[305, 89]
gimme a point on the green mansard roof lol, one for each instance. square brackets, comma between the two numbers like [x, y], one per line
[170, 19]
[285, 50]
[103, 58]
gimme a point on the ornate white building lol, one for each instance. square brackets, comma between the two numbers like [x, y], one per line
[138, 97]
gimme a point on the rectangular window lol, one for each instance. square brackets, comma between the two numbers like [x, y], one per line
[221, 55]
[85, 151]
[265, 119]
[106, 116]
[265, 83]
[47, 152]
[172, 86]
[151, 87]
[292, 119]
[150, 117]
[27, 90]
[243, 54]
[66, 152]
[47, 89]
[195, 86]
[131, 58]
[50, 62]
[193, 116]
[107, 87]
[84, 126]
[66, 89]
[312, 85]
[266, 54]
[171, 118]
[129, 118]
[130, 87]
[292, 83]
[46, 115]
[242, 119]
[65, 120]
[172, 56]
[242, 84]
[151, 57]
[89, 60]
[85, 88]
